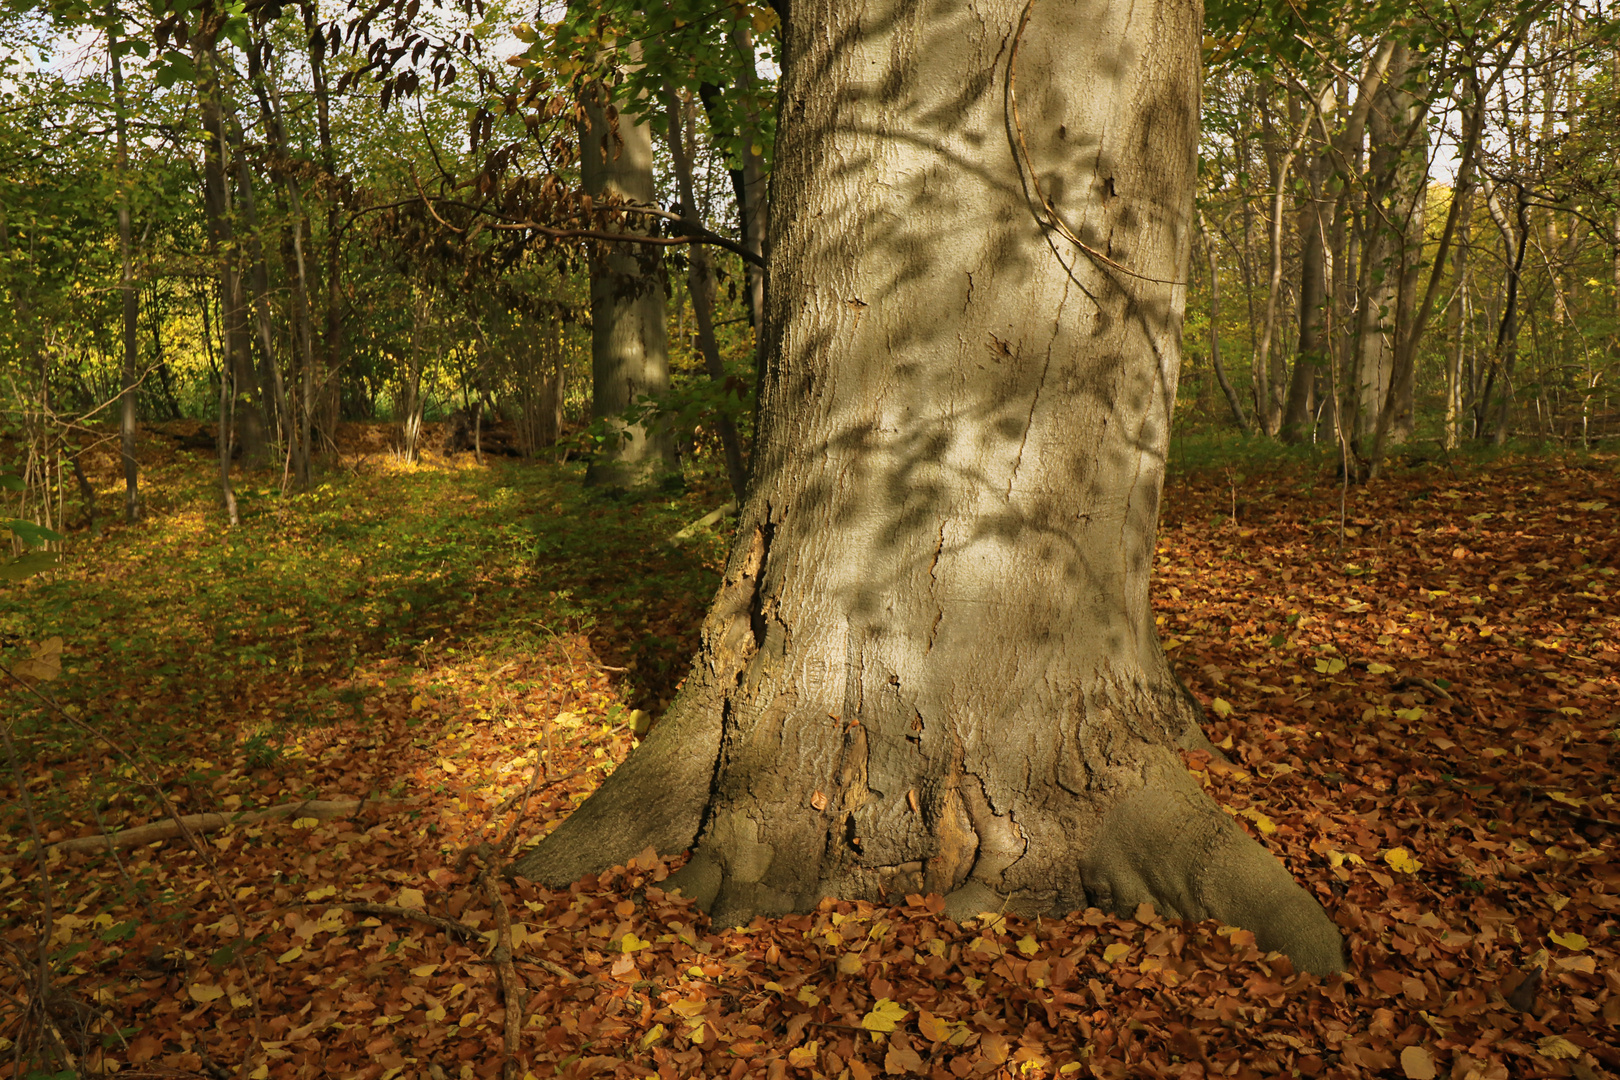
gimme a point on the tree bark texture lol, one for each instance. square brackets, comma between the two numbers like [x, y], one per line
[1398, 169]
[931, 665]
[629, 339]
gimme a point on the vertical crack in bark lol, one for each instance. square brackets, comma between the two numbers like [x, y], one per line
[933, 589]
[1029, 421]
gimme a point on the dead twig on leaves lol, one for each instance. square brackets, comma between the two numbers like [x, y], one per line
[170, 828]
[204, 853]
[1423, 684]
[501, 957]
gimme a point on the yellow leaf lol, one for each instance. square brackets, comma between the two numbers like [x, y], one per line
[1566, 798]
[417, 702]
[630, 943]
[321, 893]
[932, 1027]
[46, 662]
[1339, 858]
[808, 996]
[884, 1016]
[1401, 861]
[1261, 822]
[804, 1057]
[1028, 945]
[697, 1034]
[1375, 668]
[1556, 1047]
[1417, 1064]
[687, 1008]
[422, 971]
[654, 1033]
[1117, 951]
[1221, 706]
[1572, 942]
[204, 994]
[411, 899]
[291, 954]
[435, 1014]
[849, 964]
[305, 822]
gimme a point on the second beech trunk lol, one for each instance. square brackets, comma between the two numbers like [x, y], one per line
[932, 665]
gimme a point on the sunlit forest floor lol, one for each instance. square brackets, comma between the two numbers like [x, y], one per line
[367, 696]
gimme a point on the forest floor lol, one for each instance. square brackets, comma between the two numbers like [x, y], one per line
[367, 694]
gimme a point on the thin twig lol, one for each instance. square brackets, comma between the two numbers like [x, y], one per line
[1053, 218]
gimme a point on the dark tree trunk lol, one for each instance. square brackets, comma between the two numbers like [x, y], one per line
[241, 408]
[1311, 359]
[133, 508]
[931, 665]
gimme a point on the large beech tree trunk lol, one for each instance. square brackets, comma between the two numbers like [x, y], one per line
[931, 665]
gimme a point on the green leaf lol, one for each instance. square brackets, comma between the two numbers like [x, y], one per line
[25, 566]
[31, 534]
[10, 482]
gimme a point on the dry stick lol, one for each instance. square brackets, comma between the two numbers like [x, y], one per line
[502, 959]
[42, 969]
[146, 780]
[523, 806]
[449, 926]
[1053, 218]
[170, 828]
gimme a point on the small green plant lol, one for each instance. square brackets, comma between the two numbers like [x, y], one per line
[260, 752]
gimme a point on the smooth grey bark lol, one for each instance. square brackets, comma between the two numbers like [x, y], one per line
[1398, 169]
[931, 665]
[629, 339]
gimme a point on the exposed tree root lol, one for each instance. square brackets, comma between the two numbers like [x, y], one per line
[1170, 844]
[655, 799]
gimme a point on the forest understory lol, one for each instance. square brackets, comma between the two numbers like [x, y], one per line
[367, 697]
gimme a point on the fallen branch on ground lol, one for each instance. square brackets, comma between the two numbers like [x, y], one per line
[169, 828]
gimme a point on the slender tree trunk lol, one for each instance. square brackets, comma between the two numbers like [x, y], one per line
[235, 351]
[326, 385]
[1233, 402]
[133, 508]
[700, 283]
[1299, 411]
[1394, 236]
[629, 340]
[931, 665]
[1457, 326]
[267, 89]
[1515, 242]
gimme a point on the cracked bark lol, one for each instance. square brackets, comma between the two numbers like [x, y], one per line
[931, 665]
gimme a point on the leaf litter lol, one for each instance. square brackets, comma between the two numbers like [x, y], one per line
[1421, 725]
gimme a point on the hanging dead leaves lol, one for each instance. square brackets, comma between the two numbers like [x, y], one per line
[1421, 724]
